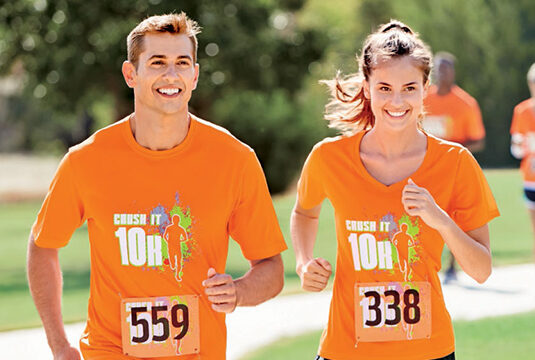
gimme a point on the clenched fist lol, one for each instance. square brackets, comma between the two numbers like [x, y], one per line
[314, 274]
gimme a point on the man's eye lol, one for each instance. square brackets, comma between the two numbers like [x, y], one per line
[410, 88]
[384, 88]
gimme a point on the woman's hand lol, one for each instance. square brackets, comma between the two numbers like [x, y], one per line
[314, 274]
[417, 201]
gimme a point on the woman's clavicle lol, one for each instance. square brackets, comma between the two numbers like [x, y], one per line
[393, 169]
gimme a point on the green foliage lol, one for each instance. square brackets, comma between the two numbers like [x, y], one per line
[72, 53]
[273, 126]
[494, 42]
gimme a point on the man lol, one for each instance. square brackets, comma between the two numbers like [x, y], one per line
[213, 187]
[452, 114]
[523, 144]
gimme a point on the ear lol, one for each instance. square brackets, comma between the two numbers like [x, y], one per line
[426, 88]
[366, 89]
[196, 79]
[129, 73]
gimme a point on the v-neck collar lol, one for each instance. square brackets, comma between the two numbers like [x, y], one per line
[399, 184]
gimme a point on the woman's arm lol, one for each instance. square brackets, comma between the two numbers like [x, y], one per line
[471, 249]
[314, 272]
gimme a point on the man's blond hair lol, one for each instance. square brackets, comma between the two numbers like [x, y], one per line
[168, 23]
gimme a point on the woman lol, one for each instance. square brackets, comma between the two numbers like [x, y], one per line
[523, 143]
[399, 195]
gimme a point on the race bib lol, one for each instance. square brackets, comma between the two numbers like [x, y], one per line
[160, 326]
[392, 311]
[436, 126]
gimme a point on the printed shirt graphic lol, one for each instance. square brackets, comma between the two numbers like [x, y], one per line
[379, 242]
[453, 117]
[157, 221]
[524, 124]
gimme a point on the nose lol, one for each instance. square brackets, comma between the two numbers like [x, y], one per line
[397, 99]
[171, 73]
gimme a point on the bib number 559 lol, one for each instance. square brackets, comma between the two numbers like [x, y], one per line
[160, 326]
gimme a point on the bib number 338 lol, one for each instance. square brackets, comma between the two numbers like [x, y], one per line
[160, 326]
[392, 311]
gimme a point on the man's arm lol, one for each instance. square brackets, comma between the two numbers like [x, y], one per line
[44, 278]
[263, 281]
[475, 146]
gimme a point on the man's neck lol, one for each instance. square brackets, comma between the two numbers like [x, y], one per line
[444, 89]
[156, 132]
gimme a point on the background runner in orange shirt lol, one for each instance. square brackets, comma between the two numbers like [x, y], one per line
[453, 115]
[399, 195]
[158, 243]
[523, 143]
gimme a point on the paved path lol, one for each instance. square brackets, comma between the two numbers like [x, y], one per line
[508, 290]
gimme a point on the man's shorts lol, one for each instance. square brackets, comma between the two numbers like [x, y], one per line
[529, 194]
[447, 357]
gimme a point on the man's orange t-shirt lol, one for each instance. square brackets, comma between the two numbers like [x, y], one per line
[524, 124]
[453, 117]
[129, 196]
[379, 242]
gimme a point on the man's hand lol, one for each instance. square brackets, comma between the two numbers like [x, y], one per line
[417, 201]
[67, 353]
[221, 291]
[314, 274]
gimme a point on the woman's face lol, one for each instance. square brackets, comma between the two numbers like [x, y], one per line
[396, 90]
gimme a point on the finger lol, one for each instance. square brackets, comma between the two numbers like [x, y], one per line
[315, 283]
[219, 279]
[412, 203]
[220, 289]
[324, 264]
[314, 267]
[211, 272]
[413, 211]
[413, 196]
[313, 288]
[307, 276]
[411, 189]
[224, 308]
[222, 299]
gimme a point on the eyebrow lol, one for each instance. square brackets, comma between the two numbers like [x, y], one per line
[407, 84]
[165, 57]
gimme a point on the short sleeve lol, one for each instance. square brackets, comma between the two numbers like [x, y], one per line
[472, 204]
[62, 211]
[476, 129]
[310, 188]
[253, 223]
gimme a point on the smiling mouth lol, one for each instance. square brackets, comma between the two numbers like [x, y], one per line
[397, 113]
[169, 91]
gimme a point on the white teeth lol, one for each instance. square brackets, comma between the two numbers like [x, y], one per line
[169, 91]
[396, 113]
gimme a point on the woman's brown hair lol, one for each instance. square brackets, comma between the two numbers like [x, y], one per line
[349, 110]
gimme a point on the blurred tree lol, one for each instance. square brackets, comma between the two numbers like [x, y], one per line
[494, 42]
[72, 53]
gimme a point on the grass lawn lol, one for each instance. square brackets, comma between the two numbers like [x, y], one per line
[511, 243]
[509, 337]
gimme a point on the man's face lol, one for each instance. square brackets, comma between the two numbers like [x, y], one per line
[166, 74]
[445, 73]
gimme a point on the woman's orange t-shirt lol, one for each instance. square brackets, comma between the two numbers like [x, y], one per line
[378, 242]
